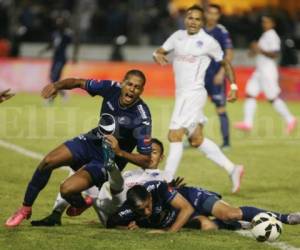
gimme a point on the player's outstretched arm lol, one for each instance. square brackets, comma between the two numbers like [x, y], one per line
[229, 72]
[51, 90]
[185, 212]
[160, 56]
[5, 95]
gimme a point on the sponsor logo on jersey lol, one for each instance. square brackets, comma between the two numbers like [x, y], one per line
[142, 111]
[199, 43]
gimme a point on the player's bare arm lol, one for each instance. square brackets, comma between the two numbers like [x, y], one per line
[229, 72]
[5, 95]
[160, 56]
[51, 90]
[218, 79]
[135, 158]
[185, 212]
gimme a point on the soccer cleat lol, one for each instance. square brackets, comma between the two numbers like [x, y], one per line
[294, 218]
[108, 155]
[236, 177]
[290, 127]
[23, 213]
[225, 147]
[76, 211]
[242, 126]
[54, 219]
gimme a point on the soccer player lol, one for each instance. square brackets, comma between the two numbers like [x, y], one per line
[157, 205]
[193, 49]
[61, 38]
[265, 78]
[215, 83]
[132, 129]
[5, 95]
[113, 193]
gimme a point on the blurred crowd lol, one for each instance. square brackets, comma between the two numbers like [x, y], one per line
[143, 22]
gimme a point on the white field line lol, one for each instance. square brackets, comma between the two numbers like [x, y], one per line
[37, 156]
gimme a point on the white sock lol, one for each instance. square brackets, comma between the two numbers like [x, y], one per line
[60, 204]
[174, 157]
[214, 153]
[249, 111]
[280, 106]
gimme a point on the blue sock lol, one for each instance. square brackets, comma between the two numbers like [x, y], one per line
[228, 225]
[250, 212]
[76, 200]
[38, 182]
[224, 122]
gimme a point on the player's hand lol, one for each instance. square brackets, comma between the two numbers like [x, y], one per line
[114, 144]
[132, 226]
[160, 58]
[156, 231]
[5, 95]
[178, 182]
[49, 91]
[232, 96]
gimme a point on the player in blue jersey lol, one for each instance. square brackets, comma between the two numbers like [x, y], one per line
[60, 40]
[132, 128]
[157, 205]
[215, 75]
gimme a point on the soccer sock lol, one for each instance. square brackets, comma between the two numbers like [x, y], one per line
[38, 182]
[250, 212]
[280, 106]
[174, 157]
[224, 121]
[115, 179]
[249, 111]
[60, 204]
[75, 200]
[228, 225]
[213, 152]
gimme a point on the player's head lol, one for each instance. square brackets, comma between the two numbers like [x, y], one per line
[132, 87]
[194, 19]
[140, 201]
[157, 154]
[213, 14]
[268, 22]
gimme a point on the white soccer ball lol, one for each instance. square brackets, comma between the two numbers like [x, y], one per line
[266, 227]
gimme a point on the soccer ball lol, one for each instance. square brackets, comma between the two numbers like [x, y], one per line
[266, 227]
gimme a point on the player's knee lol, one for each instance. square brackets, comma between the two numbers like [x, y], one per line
[196, 141]
[175, 136]
[230, 214]
[221, 110]
[47, 163]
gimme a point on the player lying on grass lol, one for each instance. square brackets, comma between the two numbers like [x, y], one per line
[5, 95]
[157, 205]
[132, 128]
[113, 193]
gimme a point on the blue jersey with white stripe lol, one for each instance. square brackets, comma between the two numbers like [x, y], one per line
[133, 123]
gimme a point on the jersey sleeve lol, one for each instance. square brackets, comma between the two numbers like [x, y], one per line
[122, 217]
[168, 45]
[226, 40]
[166, 192]
[143, 131]
[215, 51]
[274, 42]
[100, 87]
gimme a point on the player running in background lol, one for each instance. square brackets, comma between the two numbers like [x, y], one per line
[265, 78]
[157, 205]
[5, 95]
[132, 128]
[106, 201]
[193, 49]
[60, 40]
[215, 83]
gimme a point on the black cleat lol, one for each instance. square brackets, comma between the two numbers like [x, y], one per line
[51, 220]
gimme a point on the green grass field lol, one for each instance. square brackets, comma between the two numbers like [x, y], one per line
[271, 159]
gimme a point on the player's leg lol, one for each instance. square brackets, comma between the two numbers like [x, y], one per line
[213, 152]
[55, 74]
[253, 88]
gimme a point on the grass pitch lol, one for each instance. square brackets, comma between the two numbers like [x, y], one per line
[271, 159]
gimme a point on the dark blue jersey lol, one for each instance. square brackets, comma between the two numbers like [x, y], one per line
[133, 123]
[220, 33]
[60, 42]
[163, 214]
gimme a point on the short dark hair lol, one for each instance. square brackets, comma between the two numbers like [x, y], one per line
[159, 143]
[270, 16]
[135, 72]
[195, 7]
[136, 195]
[216, 6]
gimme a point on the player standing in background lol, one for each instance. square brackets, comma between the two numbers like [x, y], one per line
[215, 83]
[61, 38]
[193, 49]
[265, 78]
[132, 128]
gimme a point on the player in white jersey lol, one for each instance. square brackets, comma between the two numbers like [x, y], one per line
[113, 193]
[193, 49]
[265, 78]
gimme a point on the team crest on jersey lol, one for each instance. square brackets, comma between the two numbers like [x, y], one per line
[199, 43]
